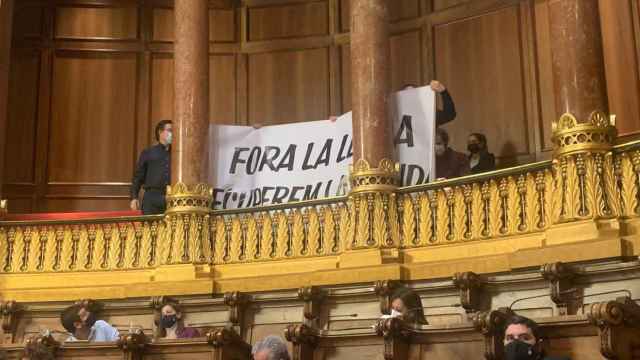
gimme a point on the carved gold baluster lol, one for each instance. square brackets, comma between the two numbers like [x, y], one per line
[331, 229]
[380, 233]
[30, 250]
[282, 235]
[267, 249]
[442, 218]
[477, 212]
[130, 245]
[611, 190]
[425, 220]
[392, 218]
[219, 240]
[236, 245]
[297, 233]
[461, 216]
[253, 247]
[514, 206]
[18, 249]
[8, 249]
[58, 253]
[408, 221]
[316, 246]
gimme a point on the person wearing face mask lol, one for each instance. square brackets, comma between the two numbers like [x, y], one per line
[171, 324]
[83, 325]
[522, 340]
[153, 172]
[407, 304]
[449, 163]
[480, 159]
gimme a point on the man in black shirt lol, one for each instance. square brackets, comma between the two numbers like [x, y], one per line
[153, 172]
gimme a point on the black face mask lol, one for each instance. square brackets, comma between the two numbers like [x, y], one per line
[167, 321]
[473, 148]
[519, 350]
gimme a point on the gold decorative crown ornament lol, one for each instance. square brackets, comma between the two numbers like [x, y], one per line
[597, 134]
[364, 178]
[184, 198]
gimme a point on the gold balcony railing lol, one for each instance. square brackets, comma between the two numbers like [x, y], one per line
[508, 202]
[81, 245]
[589, 183]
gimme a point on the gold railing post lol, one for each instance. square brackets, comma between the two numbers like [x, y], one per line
[584, 168]
[187, 237]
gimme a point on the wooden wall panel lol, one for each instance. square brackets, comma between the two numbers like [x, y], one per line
[92, 128]
[222, 89]
[289, 86]
[405, 60]
[480, 61]
[404, 9]
[162, 29]
[161, 87]
[221, 25]
[545, 75]
[620, 44]
[286, 21]
[345, 61]
[222, 82]
[110, 23]
[28, 21]
[22, 117]
[455, 350]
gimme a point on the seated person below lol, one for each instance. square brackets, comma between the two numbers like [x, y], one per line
[408, 304]
[270, 348]
[82, 324]
[171, 324]
[480, 159]
[449, 163]
[448, 112]
[522, 340]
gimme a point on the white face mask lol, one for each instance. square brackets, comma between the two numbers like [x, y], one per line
[440, 149]
[395, 313]
[169, 138]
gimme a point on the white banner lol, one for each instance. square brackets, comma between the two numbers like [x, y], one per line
[310, 160]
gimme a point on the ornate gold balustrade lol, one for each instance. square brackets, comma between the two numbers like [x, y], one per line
[582, 205]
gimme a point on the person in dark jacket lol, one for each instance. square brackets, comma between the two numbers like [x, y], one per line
[522, 340]
[480, 159]
[407, 303]
[449, 163]
[448, 111]
[171, 324]
[153, 172]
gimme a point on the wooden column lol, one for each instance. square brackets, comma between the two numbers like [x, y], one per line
[578, 59]
[6, 17]
[370, 79]
[191, 125]
[373, 152]
[189, 197]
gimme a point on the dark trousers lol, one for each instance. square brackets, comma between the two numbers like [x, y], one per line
[153, 202]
